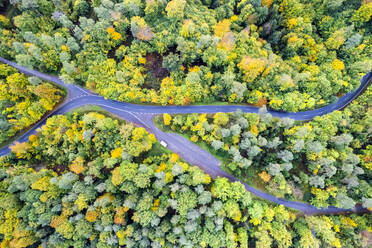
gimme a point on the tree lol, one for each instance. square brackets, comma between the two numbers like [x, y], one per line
[167, 119]
[274, 169]
[175, 9]
[363, 14]
[252, 67]
[34, 80]
[285, 155]
[238, 89]
[317, 181]
[217, 144]
[220, 119]
[171, 62]
[367, 203]
[66, 180]
[345, 201]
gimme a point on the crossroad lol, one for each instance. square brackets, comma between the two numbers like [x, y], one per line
[142, 115]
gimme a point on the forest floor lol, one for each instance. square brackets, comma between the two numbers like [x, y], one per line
[7, 10]
[155, 71]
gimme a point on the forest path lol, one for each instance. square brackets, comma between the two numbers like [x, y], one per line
[142, 115]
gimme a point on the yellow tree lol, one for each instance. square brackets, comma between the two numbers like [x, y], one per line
[167, 119]
[175, 8]
[252, 67]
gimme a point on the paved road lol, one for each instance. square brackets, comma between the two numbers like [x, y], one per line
[142, 115]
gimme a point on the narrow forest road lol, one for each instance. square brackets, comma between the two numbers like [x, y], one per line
[142, 115]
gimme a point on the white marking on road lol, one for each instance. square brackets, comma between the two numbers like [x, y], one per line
[126, 112]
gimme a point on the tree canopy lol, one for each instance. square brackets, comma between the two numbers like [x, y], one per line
[277, 53]
[326, 161]
[76, 183]
[23, 101]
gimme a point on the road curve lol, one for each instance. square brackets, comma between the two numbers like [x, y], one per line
[142, 115]
[76, 92]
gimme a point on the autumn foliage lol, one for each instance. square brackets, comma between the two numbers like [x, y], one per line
[285, 49]
[23, 103]
[106, 195]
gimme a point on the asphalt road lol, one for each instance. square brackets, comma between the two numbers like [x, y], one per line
[142, 115]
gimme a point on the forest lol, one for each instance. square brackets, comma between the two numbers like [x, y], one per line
[87, 180]
[23, 101]
[326, 161]
[277, 53]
